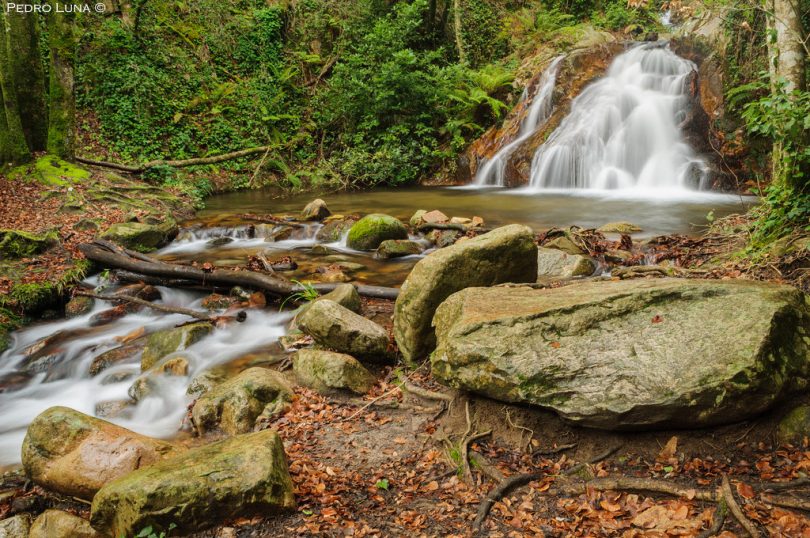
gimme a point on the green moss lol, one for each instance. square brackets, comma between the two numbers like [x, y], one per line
[19, 244]
[50, 170]
[368, 232]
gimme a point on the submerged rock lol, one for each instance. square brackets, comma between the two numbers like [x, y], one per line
[325, 370]
[315, 210]
[397, 248]
[338, 328]
[240, 476]
[795, 426]
[76, 454]
[116, 355]
[59, 524]
[142, 236]
[553, 263]
[162, 343]
[368, 232]
[625, 355]
[235, 405]
[506, 254]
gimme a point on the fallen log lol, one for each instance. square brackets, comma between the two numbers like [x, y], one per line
[115, 257]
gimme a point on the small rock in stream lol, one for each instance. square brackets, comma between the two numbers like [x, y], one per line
[315, 210]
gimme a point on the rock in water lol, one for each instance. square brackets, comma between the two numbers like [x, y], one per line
[634, 354]
[506, 254]
[76, 454]
[59, 524]
[325, 370]
[368, 232]
[240, 476]
[397, 248]
[235, 405]
[338, 328]
[162, 343]
[315, 210]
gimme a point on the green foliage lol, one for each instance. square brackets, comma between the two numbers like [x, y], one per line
[307, 294]
[382, 484]
[480, 35]
[150, 532]
[616, 15]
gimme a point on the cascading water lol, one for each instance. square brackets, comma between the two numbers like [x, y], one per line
[623, 131]
[492, 172]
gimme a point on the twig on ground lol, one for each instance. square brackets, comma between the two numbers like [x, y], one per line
[735, 509]
[596, 459]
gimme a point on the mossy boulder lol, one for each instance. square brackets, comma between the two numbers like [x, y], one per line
[15, 527]
[326, 370]
[142, 236]
[553, 263]
[397, 248]
[52, 171]
[15, 244]
[76, 454]
[340, 329]
[368, 232]
[235, 405]
[240, 476]
[162, 343]
[506, 254]
[629, 355]
[795, 426]
[60, 524]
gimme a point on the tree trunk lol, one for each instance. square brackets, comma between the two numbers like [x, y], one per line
[13, 148]
[29, 78]
[462, 55]
[62, 39]
[790, 61]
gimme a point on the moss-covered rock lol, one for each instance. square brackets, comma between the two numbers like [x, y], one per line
[15, 244]
[397, 248]
[795, 426]
[368, 232]
[340, 329]
[60, 524]
[76, 454]
[236, 477]
[334, 230]
[633, 354]
[78, 306]
[162, 343]
[235, 405]
[506, 254]
[142, 236]
[50, 170]
[326, 370]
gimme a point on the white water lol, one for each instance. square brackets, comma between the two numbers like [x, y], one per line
[69, 383]
[492, 171]
[623, 131]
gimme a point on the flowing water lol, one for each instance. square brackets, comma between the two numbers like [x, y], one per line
[492, 171]
[623, 130]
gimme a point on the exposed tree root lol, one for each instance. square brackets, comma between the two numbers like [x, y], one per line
[425, 393]
[735, 509]
[717, 523]
[787, 502]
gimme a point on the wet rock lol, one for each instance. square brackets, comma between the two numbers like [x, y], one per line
[476, 222]
[368, 232]
[464, 221]
[332, 273]
[162, 343]
[565, 244]
[116, 356]
[506, 254]
[340, 329]
[204, 381]
[78, 306]
[334, 230]
[322, 250]
[15, 527]
[149, 381]
[617, 256]
[315, 210]
[557, 264]
[240, 293]
[111, 314]
[59, 524]
[619, 228]
[16, 244]
[416, 218]
[76, 454]
[112, 408]
[434, 217]
[397, 248]
[325, 370]
[443, 238]
[235, 405]
[11, 381]
[349, 267]
[229, 479]
[219, 241]
[633, 354]
[794, 427]
[141, 236]
[215, 301]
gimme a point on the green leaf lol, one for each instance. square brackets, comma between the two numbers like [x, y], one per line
[382, 484]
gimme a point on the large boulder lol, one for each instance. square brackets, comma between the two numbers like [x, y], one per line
[326, 370]
[142, 236]
[240, 476]
[340, 329]
[506, 254]
[368, 232]
[552, 263]
[59, 524]
[634, 354]
[162, 343]
[76, 454]
[235, 405]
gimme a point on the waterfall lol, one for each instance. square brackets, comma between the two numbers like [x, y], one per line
[492, 171]
[623, 131]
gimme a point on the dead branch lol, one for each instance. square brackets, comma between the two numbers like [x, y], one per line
[735, 509]
[154, 306]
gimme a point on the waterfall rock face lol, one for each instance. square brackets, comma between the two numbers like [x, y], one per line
[626, 355]
[506, 254]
